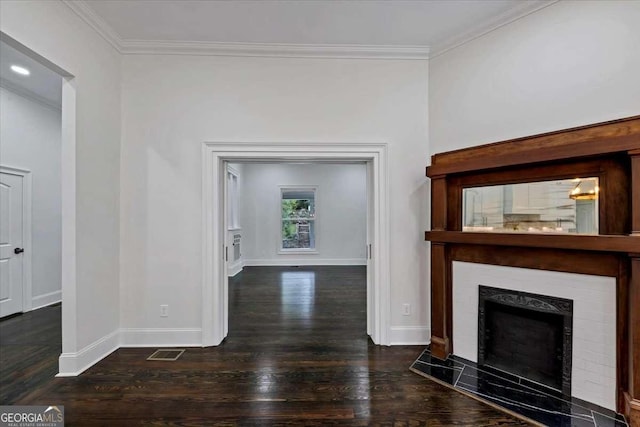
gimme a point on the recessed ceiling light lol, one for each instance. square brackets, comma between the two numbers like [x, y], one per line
[20, 70]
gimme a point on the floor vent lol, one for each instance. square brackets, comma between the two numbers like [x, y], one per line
[166, 354]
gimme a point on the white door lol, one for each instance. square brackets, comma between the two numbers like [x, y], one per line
[11, 244]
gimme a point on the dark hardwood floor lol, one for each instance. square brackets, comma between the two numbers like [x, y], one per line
[30, 344]
[297, 354]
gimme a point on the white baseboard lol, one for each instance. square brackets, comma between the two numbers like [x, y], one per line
[410, 335]
[46, 299]
[73, 364]
[234, 269]
[304, 261]
[160, 337]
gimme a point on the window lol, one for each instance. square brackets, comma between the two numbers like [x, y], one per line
[298, 213]
[233, 223]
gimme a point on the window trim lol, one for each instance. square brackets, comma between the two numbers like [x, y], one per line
[289, 251]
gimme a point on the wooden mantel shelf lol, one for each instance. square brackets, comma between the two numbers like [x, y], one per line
[584, 141]
[625, 244]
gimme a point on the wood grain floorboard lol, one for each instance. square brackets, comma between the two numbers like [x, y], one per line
[30, 344]
[297, 354]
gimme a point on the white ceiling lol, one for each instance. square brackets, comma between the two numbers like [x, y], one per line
[436, 24]
[42, 84]
[374, 28]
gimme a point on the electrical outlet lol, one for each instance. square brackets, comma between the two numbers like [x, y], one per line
[164, 310]
[406, 309]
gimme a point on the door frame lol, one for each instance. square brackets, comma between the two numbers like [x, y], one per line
[68, 202]
[25, 174]
[214, 284]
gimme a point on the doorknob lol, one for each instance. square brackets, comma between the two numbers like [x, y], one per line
[18, 251]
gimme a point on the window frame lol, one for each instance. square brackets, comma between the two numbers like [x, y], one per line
[282, 190]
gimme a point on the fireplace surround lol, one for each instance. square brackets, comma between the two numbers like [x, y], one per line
[593, 366]
[609, 151]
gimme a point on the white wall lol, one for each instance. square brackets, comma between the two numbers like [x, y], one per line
[172, 104]
[30, 139]
[341, 212]
[51, 29]
[569, 64]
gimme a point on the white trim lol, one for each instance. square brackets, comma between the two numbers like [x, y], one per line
[295, 251]
[410, 335]
[273, 50]
[45, 300]
[485, 27]
[68, 196]
[234, 269]
[27, 225]
[95, 21]
[29, 95]
[160, 337]
[73, 364]
[214, 286]
[303, 261]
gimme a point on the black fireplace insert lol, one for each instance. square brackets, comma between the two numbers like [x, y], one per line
[526, 334]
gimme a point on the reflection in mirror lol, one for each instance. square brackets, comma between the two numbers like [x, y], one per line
[562, 206]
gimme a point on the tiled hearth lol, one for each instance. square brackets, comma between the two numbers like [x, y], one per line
[515, 394]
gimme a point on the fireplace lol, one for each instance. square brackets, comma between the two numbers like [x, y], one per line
[606, 343]
[526, 334]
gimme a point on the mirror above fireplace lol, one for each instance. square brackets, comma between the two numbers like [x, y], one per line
[567, 206]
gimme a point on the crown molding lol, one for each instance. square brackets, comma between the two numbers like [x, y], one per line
[512, 15]
[151, 47]
[95, 21]
[168, 47]
[28, 94]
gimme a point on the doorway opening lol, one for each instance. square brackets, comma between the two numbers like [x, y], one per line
[44, 85]
[297, 234]
[216, 156]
